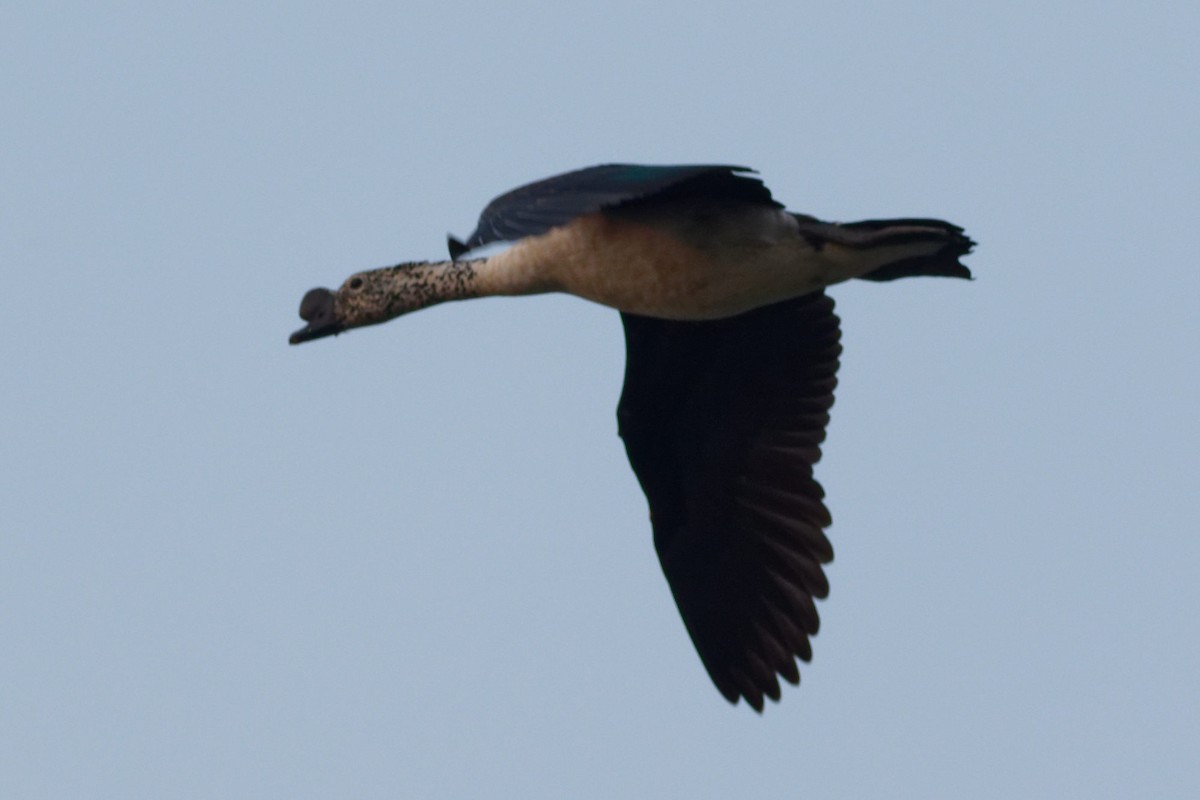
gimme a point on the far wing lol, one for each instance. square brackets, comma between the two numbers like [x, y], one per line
[723, 421]
[537, 207]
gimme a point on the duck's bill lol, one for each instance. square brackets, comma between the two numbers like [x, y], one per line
[317, 309]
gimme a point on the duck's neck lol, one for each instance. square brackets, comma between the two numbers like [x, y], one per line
[501, 274]
[382, 294]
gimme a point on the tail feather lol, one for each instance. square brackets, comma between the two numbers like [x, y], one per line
[872, 233]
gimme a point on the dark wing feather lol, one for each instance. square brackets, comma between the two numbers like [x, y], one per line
[537, 207]
[723, 421]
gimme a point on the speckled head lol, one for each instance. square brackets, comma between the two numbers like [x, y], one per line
[375, 296]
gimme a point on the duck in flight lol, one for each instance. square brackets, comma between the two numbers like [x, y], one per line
[731, 360]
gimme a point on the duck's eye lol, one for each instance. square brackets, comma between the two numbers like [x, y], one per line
[356, 283]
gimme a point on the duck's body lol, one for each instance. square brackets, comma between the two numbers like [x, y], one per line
[688, 261]
[732, 354]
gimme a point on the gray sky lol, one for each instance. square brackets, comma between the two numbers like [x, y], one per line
[413, 561]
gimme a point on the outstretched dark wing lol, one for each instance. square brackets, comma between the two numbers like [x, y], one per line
[723, 421]
[537, 207]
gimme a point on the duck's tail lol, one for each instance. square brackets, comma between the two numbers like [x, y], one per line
[873, 234]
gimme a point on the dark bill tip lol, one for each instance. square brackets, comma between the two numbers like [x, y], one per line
[317, 310]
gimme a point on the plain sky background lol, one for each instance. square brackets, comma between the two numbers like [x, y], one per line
[413, 561]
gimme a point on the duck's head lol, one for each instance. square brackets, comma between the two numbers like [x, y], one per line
[366, 298]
